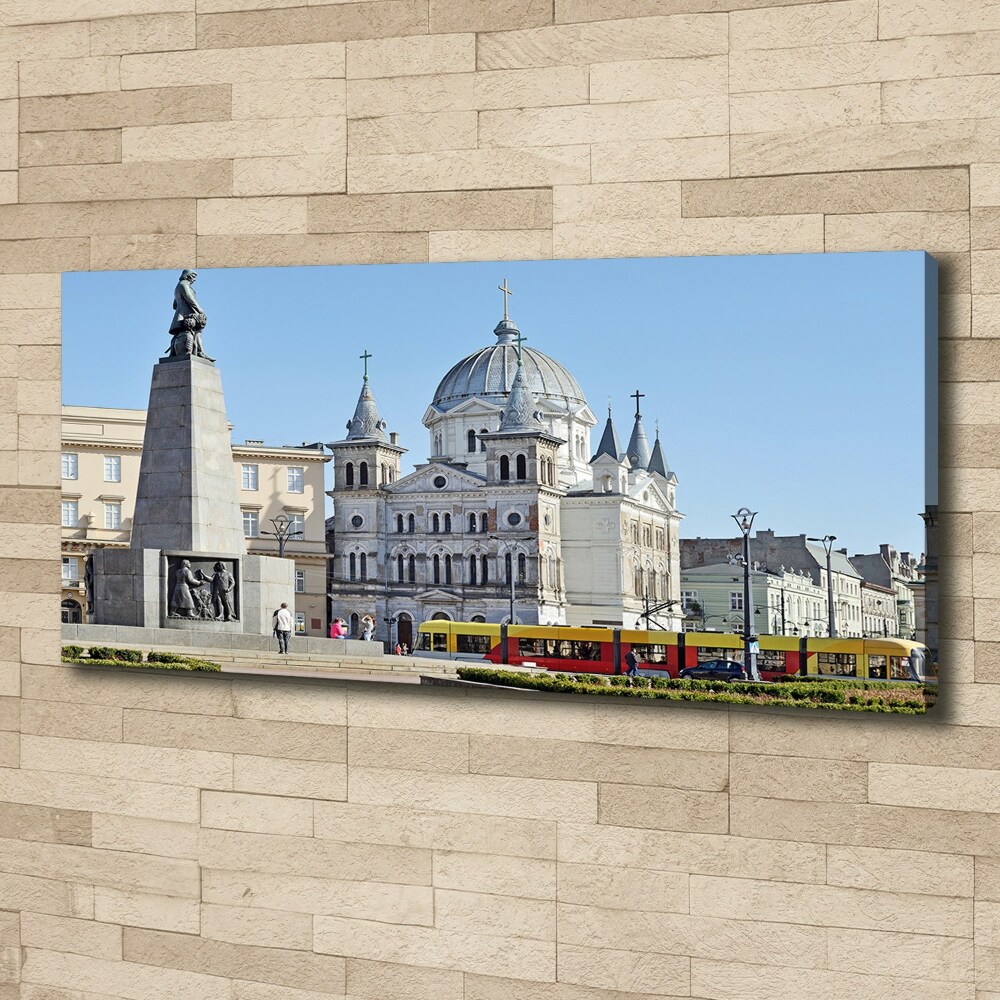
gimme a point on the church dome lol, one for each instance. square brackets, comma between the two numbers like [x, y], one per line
[489, 374]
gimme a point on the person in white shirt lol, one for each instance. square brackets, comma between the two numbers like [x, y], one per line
[283, 627]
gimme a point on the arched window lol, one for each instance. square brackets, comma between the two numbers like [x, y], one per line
[399, 523]
[471, 441]
[364, 566]
[349, 474]
[472, 569]
[411, 524]
[552, 471]
[478, 618]
[522, 567]
[385, 473]
[437, 569]
[399, 567]
[355, 624]
[472, 524]
[435, 523]
[363, 474]
[484, 571]
[504, 467]
[447, 524]
[352, 563]
[506, 567]
[521, 467]
[482, 443]
[411, 569]
[483, 523]
[447, 569]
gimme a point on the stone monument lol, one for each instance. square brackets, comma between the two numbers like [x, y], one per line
[187, 566]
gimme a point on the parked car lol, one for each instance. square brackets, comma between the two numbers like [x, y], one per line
[716, 670]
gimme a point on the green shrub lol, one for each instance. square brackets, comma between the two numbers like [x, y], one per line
[101, 653]
[157, 656]
[129, 655]
[108, 656]
[72, 652]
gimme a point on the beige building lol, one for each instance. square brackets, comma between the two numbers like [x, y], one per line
[101, 449]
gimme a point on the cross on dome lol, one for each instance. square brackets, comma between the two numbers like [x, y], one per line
[506, 292]
[364, 357]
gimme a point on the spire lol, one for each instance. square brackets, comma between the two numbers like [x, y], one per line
[367, 423]
[637, 452]
[609, 441]
[657, 463]
[520, 413]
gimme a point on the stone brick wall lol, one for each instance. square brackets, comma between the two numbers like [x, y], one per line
[203, 838]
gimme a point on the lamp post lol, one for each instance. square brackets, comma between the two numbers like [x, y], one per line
[744, 521]
[282, 531]
[391, 620]
[828, 541]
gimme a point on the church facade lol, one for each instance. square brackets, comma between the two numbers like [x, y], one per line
[513, 513]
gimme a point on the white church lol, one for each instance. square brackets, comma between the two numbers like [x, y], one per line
[513, 508]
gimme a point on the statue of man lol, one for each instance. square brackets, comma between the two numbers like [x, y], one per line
[182, 600]
[223, 583]
[189, 320]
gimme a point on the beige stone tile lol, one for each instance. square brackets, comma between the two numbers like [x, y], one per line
[131, 181]
[824, 107]
[468, 169]
[310, 779]
[404, 827]
[84, 219]
[624, 970]
[29, 291]
[984, 222]
[659, 79]
[899, 871]
[289, 251]
[150, 252]
[659, 159]
[257, 813]
[286, 175]
[532, 244]
[664, 808]
[122, 980]
[8, 135]
[531, 878]
[933, 231]
[710, 854]
[19, 821]
[306, 856]
[46, 41]
[243, 990]
[8, 79]
[259, 927]
[8, 187]
[119, 36]
[492, 988]
[932, 100]
[28, 256]
[517, 958]
[528, 798]
[955, 316]
[122, 760]
[44, 11]
[10, 750]
[899, 18]
[42, 77]
[985, 271]
[971, 403]
[216, 958]
[304, 24]
[69, 934]
[397, 904]
[599, 203]
[493, 914]
[612, 41]
[399, 748]
[244, 65]
[251, 216]
[415, 56]
[412, 133]
[257, 737]
[156, 106]
[43, 895]
[984, 182]
[920, 956]
[487, 15]
[732, 979]
[783, 778]
[623, 888]
[294, 99]
[389, 981]
[40, 149]
[145, 836]
[518, 88]
[806, 24]
[955, 788]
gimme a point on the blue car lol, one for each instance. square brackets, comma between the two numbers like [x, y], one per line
[716, 670]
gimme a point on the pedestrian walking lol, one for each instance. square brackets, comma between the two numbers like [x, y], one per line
[631, 664]
[283, 627]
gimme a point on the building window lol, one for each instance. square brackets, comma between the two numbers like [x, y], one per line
[113, 516]
[447, 569]
[482, 443]
[251, 524]
[411, 523]
[249, 477]
[647, 536]
[300, 581]
[362, 475]
[112, 468]
[363, 564]
[352, 562]
[447, 524]
[484, 571]
[472, 569]
[70, 465]
[735, 600]
[411, 569]
[300, 623]
[296, 479]
[688, 598]
[507, 567]
[399, 524]
[471, 441]
[435, 523]
[349, 474]
[472, 524]
[70, 571]
[504, 467]
[399, 567]
[436, 568]
[521, 467]
[297, 522]
[70, 513]
[483, 523]
[522, 567]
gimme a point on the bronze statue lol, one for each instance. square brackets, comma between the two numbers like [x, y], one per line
[188, 322]
[182, 598]
[223, 583]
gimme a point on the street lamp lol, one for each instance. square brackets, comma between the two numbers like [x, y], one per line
[828, 541]
[391, 622]
[282, 531]
[744, 521]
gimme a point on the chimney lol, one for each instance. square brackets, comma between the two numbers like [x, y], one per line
[393, 437]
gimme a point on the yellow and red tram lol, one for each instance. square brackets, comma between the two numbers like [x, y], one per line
[596, 649]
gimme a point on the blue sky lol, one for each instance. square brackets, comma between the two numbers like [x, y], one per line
[791, 384]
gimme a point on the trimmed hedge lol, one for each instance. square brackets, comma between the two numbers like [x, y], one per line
[834, 695]
[110, 656]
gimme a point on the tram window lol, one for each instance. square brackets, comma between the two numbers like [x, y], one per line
[423, 641]
[771, 659]
[876, 667]
[706, 653]
[837, 664]
[899, 668]
[531, 647]
[652, 653]
[473, 643]
[585, 650]
[439, 642]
